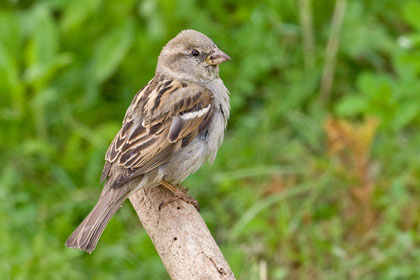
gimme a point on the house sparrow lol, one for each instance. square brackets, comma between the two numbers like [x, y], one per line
[174, 124]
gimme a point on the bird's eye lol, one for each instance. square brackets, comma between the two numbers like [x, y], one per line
[195, 53]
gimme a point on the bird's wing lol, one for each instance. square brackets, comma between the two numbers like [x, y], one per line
[163, 117]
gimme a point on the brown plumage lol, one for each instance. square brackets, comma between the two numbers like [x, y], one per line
[143, 145]
[173, 124]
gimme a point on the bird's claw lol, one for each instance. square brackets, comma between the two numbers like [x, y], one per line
[181, 193]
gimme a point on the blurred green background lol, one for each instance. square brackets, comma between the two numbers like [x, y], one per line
[312, 181]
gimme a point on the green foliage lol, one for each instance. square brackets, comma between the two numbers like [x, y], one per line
[309, 199]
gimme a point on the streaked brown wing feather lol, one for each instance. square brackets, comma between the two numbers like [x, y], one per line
[163, 117]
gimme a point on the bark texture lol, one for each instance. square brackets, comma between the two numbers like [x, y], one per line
[181, 237]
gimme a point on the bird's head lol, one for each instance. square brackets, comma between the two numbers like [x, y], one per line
[191, 56]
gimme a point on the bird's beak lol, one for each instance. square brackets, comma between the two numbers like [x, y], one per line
[217, 57]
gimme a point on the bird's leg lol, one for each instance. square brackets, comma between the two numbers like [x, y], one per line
[179, 193]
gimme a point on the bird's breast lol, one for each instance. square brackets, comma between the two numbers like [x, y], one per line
[201, 149]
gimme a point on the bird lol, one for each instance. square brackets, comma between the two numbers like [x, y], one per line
[174, 124]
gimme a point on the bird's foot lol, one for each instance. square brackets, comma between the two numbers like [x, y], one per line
[178, 193]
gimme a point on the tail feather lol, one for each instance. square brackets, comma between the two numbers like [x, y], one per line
[87, 234]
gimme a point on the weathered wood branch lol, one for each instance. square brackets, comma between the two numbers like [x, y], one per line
[181, 237]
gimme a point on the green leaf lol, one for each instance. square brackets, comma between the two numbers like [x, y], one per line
[411, 12]
[44, 36]
[10, 33]
[42, 49]
[405, 114]
[351, 105]
[111, 49]
[10, 83]
[77, 11]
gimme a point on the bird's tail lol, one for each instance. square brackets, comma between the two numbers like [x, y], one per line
[87, 234]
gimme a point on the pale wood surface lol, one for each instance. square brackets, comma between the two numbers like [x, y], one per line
[180, 236]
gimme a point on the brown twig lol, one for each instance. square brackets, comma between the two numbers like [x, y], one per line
[331, 51]
[180, 236]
